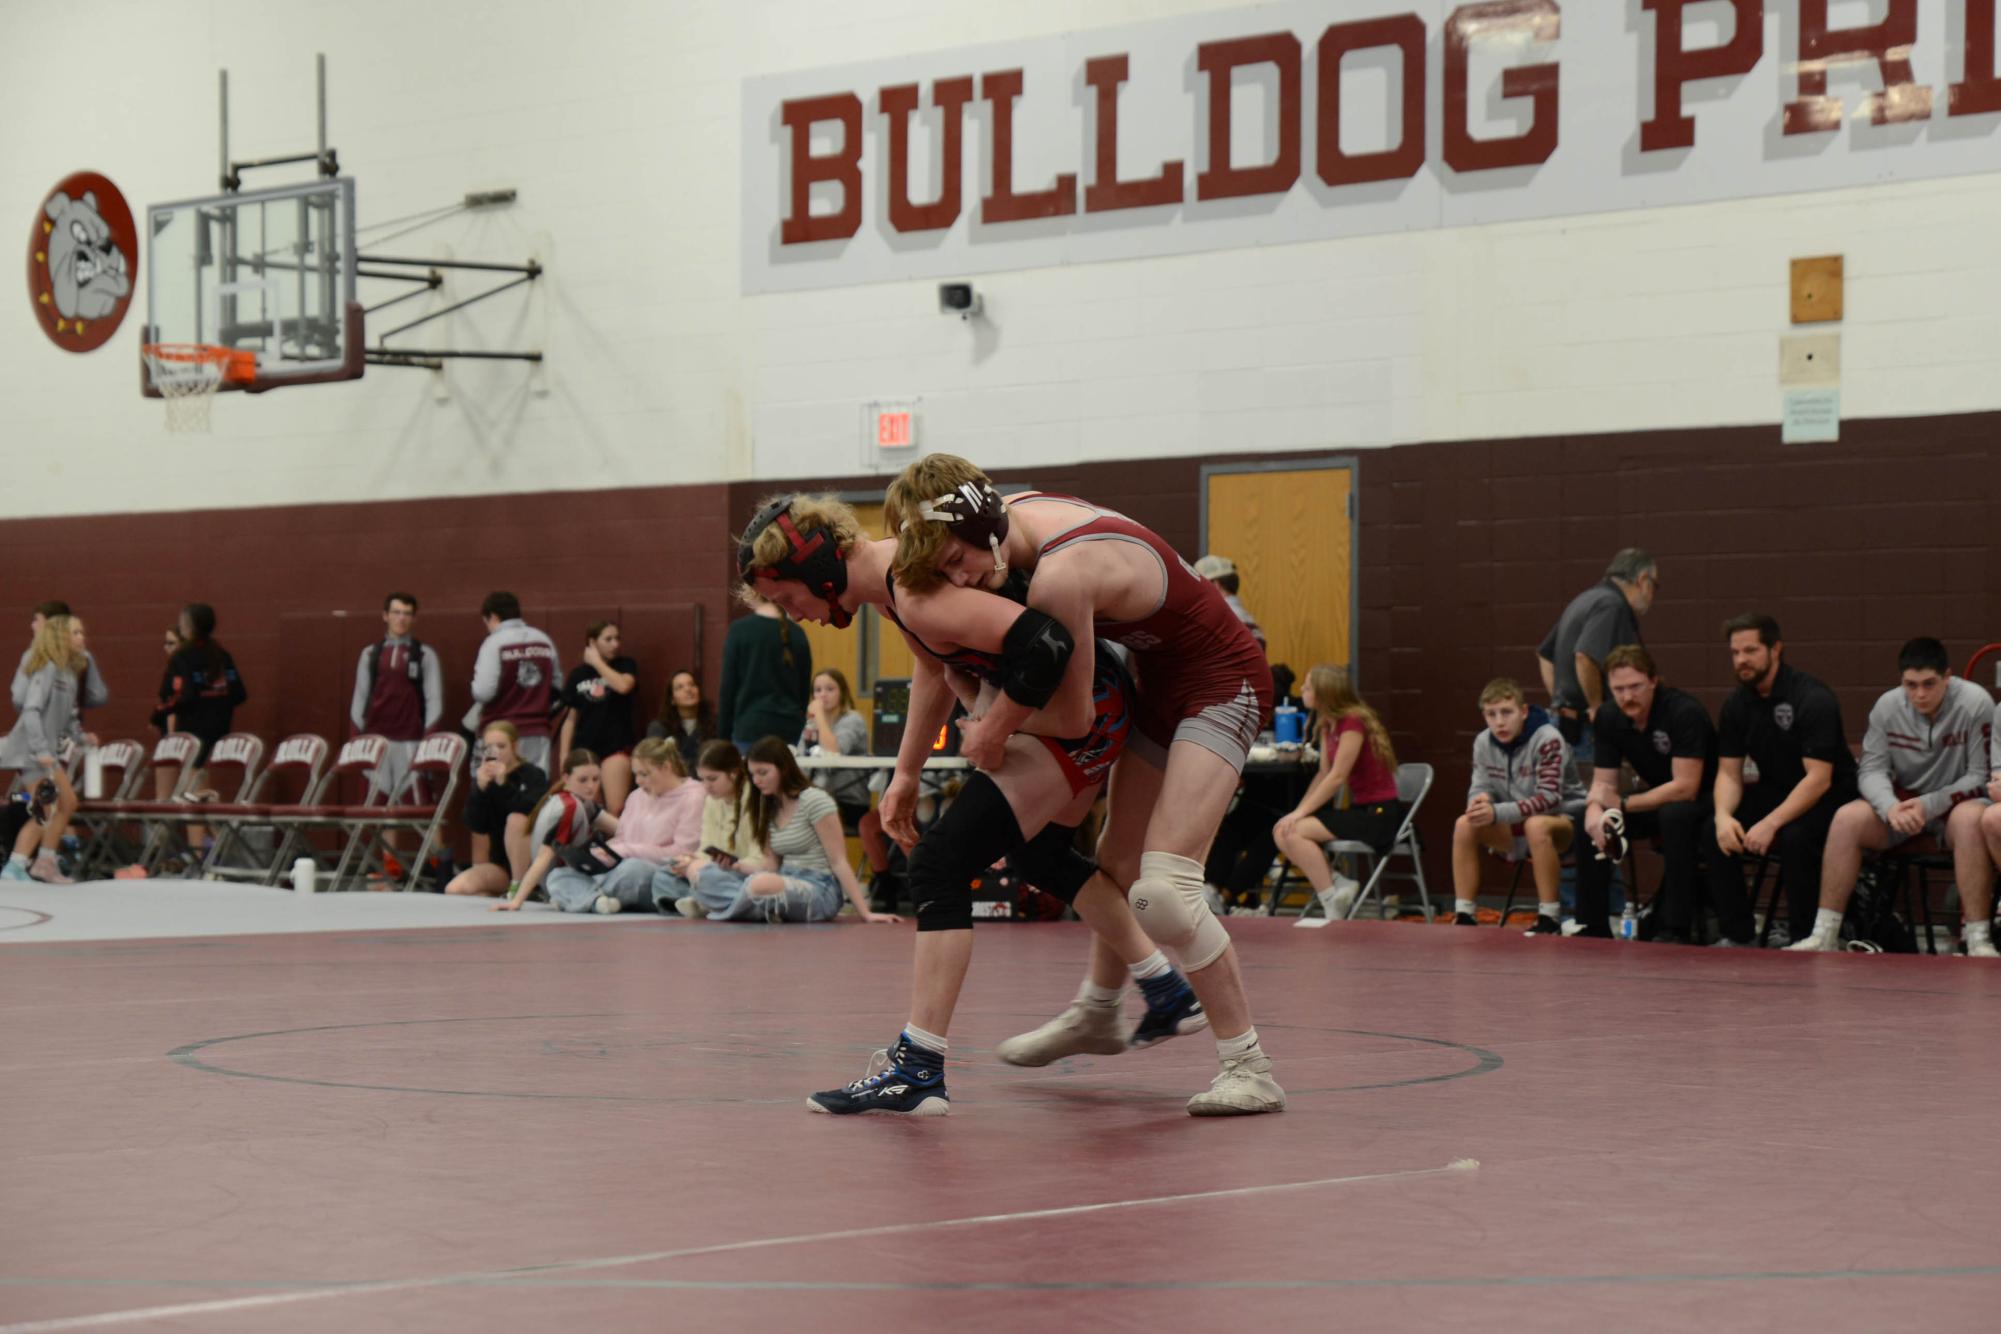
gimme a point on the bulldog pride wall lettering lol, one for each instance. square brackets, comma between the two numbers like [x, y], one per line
[1305, 122]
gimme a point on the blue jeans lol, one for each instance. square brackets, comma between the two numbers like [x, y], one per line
[630, 882]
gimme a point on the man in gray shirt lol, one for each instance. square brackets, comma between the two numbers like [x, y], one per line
[1599, 619]
[1924, 774]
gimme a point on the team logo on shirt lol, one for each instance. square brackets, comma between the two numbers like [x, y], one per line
[1783, 716]
[528, 675]
[1661, 742]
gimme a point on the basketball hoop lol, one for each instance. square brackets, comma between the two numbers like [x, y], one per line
[188, 376]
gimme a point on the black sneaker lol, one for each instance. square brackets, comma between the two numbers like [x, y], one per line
[1464, 919]
[898, 1082]
[1178, 1014]
[1545, 926]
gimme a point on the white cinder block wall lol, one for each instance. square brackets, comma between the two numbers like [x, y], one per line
[619, 125]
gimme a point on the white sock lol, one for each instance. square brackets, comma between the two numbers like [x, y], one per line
[928, 1041]
[1243, 1044]
[17, 860]
[1973, 932]
[1153, 965]
[1551, 910]
[1827, 922]
[1470, 907]
[1093, 994]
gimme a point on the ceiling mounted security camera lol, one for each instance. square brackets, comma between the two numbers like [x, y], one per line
[958, 299]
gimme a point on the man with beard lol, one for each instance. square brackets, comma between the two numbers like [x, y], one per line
[1787, 725]
[1666, 735]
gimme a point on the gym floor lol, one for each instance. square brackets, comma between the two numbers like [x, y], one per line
[237, 1109]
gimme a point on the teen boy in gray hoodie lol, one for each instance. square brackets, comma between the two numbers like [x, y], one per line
[1523, 777]
[1924, 773]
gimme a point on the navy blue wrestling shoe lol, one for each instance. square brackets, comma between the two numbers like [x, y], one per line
[906, 1081]
[1170, 1014]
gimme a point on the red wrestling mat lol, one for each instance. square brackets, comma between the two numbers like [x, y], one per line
[497, 1130]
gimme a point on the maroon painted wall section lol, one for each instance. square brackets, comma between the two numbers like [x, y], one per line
[298, 589]
[1467, 553]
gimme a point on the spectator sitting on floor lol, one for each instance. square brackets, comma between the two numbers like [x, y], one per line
[1222, 572]
[1923, 775]
[1597, 620]
[799, 826]
[599, 695]
[686, 716]
[1355, 753]
[727, 838]
[1666, 735]
[515, 676]
[1789, 726]
[567, 829]
[49, 726]
[1523, 775]
[505, 788]
[835, 727]
[662, 820]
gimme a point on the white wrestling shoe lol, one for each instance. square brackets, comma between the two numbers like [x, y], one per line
[1084, 1028]
[1244, 1087]
[1982, 949]
[1817, 943]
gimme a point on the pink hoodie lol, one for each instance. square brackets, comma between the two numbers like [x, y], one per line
[656, 828]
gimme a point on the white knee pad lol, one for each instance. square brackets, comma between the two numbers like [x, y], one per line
[1167, 898]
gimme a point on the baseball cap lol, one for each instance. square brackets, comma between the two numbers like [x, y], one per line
[1215, 567]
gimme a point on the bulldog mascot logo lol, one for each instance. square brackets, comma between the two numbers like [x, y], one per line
[83, 259]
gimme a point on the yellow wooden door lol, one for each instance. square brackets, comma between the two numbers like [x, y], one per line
[1290, 534]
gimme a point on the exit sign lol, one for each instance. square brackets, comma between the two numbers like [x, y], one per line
[889, 433]
[892, 429]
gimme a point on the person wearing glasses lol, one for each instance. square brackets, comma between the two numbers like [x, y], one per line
[1599, 619]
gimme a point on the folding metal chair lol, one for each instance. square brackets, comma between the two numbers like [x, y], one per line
[315, 810]
[302, 756]
[1413, 786]
[240, 751]
[123, 766]
[177, 751]
[440, 758]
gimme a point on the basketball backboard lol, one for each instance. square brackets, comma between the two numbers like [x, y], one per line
[271, 272]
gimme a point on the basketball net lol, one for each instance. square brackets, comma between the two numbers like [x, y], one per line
[188, 376]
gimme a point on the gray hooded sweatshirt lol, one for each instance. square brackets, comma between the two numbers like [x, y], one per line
[1536, 775]
[48, 714]
[1943, 759]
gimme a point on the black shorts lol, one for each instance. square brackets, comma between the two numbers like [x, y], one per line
[486, 811]
[1375, 825]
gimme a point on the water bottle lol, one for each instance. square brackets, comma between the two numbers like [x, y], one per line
[305, 876]
[1629, 922]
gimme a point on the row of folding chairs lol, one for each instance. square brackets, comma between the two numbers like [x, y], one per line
[125, 828]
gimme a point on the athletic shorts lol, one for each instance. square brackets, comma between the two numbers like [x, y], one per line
[1220, 707]
[1375, 824]
[393, 773]
[1086, 761]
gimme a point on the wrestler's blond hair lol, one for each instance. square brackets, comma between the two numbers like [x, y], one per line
[920, 541]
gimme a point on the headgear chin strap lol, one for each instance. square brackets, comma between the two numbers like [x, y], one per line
[810, 559]
[974, 512]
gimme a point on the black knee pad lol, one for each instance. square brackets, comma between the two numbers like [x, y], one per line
[977, 830]
[1050, 861]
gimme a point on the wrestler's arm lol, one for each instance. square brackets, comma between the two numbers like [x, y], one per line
[975, 619]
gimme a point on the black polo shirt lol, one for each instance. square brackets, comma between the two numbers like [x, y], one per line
[1677, 728]
[1799, 721]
